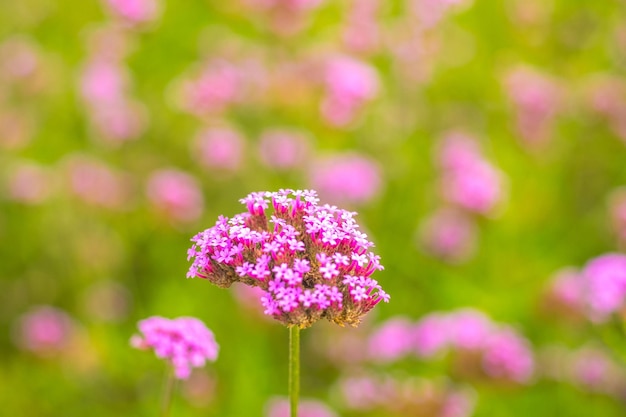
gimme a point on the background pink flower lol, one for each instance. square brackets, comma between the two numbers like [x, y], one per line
[175, 194]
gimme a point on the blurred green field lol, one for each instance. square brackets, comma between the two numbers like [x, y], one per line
[61, 249]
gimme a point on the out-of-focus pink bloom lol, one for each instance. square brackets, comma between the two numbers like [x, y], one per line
[218, 85]
[617, 211]
[19, 59]
[507, 355]
[16, 129]
[45, 330]
[107, 301]
[219, 147]
[200, 389]
[250, 298]
[350, 84]
[125, 120]
[365, 392]
[135, 11]
[469, 329]
[391, 341]
[605, 279]
[346, 178]
[361, 33]
[568, 289]
[430, 335]
[283, 149]
[458, 404]
[430, 12]
[449, 234]
[537, 100]
[98, 184]
[279, 407]
[185, 341]
[286, 17]
[175, 194]
[608, 99]
[103, 82]
[592, 368]
[29, 183]
[468, 179]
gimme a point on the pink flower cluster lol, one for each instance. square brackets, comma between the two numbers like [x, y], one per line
[29, 183]
[537, 101]
[283, 149]
[469, 180]
[311, 259]
[279, 407]
[185, 342]
[219, 148]
[596, 292]
[350, 84]
[410, 396]
[361, 33]
[504, 354]
[346, 178]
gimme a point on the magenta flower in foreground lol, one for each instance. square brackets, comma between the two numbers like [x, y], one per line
[311, 260]
[186, 342]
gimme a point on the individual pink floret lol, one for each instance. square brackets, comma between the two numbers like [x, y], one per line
[220, 147]
[45, 330]
[175, 194]
[185, 342]
[283, 149]
[449, 234]
[605, 283]
[508, 355]
[346, 178]
[135, 11]
[279, 407]
[350, 84]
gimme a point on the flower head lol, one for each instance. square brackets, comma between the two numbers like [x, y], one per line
[186, 342]
[310, 259]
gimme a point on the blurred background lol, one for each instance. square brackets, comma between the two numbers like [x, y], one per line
[482, 143]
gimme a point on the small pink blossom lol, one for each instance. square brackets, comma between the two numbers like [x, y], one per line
[361, 33]
[45, 330]
[103, 81]
[213, 89]
[607, 98]
[449, 234]
[220, 147]
[185, 342]
[430, 12]
[430, 336]
[30, 183]
[537, 101]
[175, 194]
[469, 328]
[119, 122]
[468, 179]
[605, 280]
[391, 341]
[568, 288]
[283, 149]
[135, 11]
[347, 178]
[98, 184]
[507, 355]
[279, 407]
[350, 84]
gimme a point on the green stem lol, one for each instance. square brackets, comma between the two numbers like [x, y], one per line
[168, 389]
[294, 368]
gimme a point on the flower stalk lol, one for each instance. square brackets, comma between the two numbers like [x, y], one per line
[168, 390]
[294, 368]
